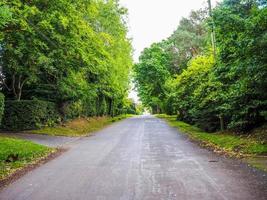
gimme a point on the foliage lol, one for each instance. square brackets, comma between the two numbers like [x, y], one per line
[131, 107]
[190, 92]
[17, 153]
[242, 65]
[68, 52]
[5, 15]
[188, 40]
[29, 114]
[73, 110]
[150, 75]
[227, 91]
[161, 62]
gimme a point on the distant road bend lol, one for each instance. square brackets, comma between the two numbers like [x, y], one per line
[141, 158]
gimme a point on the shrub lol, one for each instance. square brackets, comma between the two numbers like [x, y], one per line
[102, 107]
[2, 104]
[89, 108]
[29, 114]
[73, 110]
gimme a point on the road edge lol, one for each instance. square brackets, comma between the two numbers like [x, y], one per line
[244, 158]
[26, 169]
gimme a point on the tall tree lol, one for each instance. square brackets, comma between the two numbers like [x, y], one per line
[150, 76]
[188, 40]
[67, 52]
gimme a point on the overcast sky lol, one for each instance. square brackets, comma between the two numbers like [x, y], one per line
[154, 20]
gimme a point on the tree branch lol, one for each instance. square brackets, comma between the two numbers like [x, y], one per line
[13, 85]
[23, 82]
[4, 83]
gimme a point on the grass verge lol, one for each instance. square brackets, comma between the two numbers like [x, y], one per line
[15, 154]
[80, 126]
[230, 144]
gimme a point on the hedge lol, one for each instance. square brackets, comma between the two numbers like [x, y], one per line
[72, 110]
[29, 114]
[2, 105]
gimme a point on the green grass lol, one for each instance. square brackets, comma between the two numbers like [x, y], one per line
[80, 126]
[226, 142]
[16, 154]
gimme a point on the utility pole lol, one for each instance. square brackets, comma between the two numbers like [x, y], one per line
[213, 38]
[213, 41]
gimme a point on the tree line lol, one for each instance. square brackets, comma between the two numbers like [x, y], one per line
[75, 54]
[215, 90]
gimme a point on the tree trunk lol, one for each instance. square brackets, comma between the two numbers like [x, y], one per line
[14, 86]
[110, 107]
[17, 84]
[19, 94]
[221, 123]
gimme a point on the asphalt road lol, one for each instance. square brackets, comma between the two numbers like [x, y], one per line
[47, 140]
[142, 159]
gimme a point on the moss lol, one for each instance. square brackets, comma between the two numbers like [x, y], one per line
[258, 162]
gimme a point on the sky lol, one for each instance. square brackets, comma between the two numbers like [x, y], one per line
[154, 20]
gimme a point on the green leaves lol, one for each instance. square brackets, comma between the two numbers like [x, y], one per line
[185, 79]
[5, 15]
[162, 62]
[190, 39]
[150, 76]
[242, 65]
[79, 48]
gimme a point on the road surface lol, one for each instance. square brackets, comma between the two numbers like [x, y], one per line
[143, 159]
[47, 140]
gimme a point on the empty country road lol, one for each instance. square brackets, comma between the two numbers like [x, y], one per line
[140, 158]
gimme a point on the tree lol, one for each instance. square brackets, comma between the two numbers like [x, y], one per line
[188, 40]
[68, 52]
[229, 93]
[186, 87]
[150, 76]
[241, 35]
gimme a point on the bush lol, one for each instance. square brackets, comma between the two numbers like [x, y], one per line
[2, 103]
[73, 110]
[102, 107]
[29, 114]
